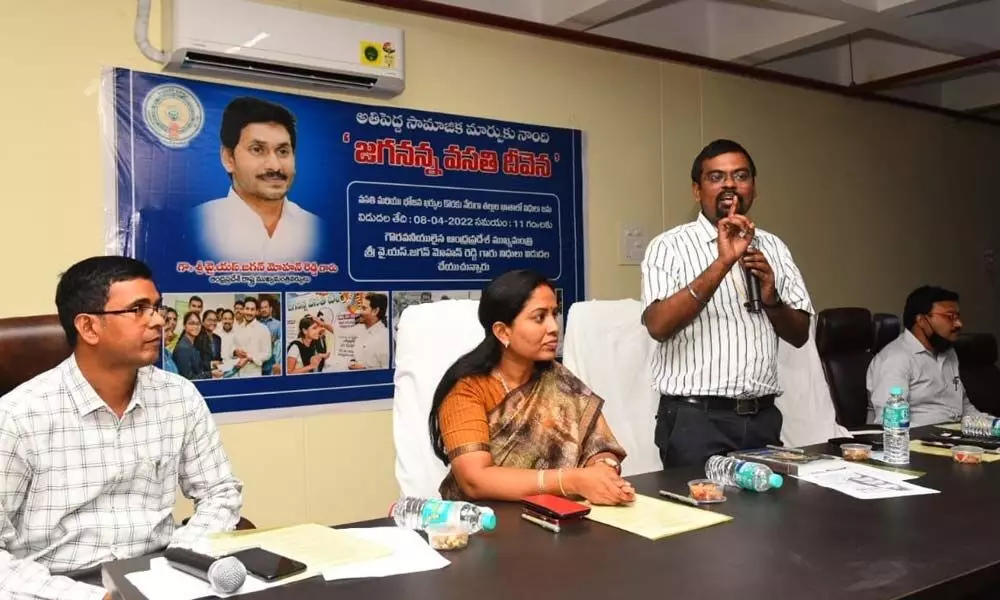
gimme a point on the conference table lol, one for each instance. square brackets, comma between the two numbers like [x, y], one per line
[799, 541]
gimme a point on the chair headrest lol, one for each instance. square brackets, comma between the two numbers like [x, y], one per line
[844, 330]
[887, 328]
[29, 346]
[976, 349]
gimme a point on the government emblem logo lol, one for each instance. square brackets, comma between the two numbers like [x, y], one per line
[173, 114]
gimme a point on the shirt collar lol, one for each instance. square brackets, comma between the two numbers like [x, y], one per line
[704, 229]
[912, 343]
[84, 395]
[240, 205]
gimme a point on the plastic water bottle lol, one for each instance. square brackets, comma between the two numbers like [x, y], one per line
[727, 470]
[421, 513]
[980, 426]
[896, 428]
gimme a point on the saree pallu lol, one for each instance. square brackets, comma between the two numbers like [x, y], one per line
[553, 421]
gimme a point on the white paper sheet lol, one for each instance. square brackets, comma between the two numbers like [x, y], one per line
[163, 582]
[318, 546]
[866, 483]
[411, 554]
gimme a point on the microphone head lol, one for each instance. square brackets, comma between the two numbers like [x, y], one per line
[227, 575]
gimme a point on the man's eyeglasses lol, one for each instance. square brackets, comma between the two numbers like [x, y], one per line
[717, 177]
[139, 311]
[951, 316]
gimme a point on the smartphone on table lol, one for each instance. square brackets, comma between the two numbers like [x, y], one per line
[266, 565]
[555, 507]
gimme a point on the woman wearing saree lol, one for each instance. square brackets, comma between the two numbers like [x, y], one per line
[513, 422]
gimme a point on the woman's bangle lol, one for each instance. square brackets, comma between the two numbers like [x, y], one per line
[561, 490]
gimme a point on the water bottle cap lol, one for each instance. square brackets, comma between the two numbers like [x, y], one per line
[489, 519]
[775, 480]
[896, 391]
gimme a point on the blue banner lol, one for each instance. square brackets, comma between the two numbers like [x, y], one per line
[288, 233]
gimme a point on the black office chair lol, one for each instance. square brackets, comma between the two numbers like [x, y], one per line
[887, 328]
[977, 362]
[843, 339]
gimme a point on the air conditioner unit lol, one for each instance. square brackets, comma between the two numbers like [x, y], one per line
[255, 42]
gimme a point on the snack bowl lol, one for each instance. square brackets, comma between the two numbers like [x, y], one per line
[856, 452]
[969, 455]
[446, 537]
[706, 490]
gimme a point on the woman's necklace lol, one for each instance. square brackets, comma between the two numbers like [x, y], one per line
[499, 377]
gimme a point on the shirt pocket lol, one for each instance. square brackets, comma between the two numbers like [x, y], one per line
[143, 481]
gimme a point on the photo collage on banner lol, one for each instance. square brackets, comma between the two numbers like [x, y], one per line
[288, 233]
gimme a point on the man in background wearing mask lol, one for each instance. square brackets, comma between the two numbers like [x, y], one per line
[923, 362]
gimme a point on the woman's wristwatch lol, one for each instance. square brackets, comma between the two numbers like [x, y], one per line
[614, 464]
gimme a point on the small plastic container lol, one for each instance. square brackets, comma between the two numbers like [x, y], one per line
[446, 537]
[968, 455]
[856, 452]
[706, 490]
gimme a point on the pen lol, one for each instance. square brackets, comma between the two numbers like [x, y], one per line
[785, 449]
[541, 517]
[679, 498]
[544, 525]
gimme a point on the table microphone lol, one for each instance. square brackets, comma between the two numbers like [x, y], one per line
[753, 304]
[226, 575]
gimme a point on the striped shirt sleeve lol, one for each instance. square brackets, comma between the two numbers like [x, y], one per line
[790, 285]
[657, 270]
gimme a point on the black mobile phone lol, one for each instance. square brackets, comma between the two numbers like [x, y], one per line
[266, 565]
[874, 440]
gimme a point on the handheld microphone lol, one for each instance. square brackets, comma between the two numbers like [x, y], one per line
[753, 304]
[226, 575]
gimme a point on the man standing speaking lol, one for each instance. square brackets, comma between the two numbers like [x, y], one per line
[716, 366]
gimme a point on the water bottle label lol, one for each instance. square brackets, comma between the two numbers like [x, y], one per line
[995, 428]
[436, 512]
[745, 474]
[896, 417]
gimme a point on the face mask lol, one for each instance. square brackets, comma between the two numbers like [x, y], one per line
[938, 343]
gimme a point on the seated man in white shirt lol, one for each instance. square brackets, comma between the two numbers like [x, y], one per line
[92, 451]
[923, 362]
[256, 221]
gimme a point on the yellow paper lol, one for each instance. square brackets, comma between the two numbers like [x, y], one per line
[317, 546]
[916, 446]
[653, 518]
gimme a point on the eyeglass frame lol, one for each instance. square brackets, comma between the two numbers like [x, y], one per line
[740, 176]
[951, 316]
[137, 310]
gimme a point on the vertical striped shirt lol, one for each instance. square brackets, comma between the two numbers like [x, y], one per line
[725, 350]
[80, 487]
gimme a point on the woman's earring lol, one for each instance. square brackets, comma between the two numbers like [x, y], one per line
[506, 343]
